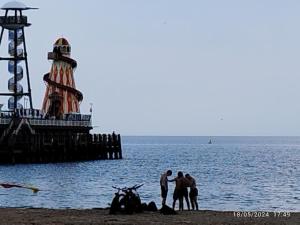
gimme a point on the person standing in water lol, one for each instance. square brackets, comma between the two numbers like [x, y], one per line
[179, 190]
[193, 191]
[164, 186]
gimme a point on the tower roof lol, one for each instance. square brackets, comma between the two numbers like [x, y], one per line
[62, 45]
[14, 5]
[61, 41]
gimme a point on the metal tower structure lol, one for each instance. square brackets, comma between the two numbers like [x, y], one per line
[14, 22]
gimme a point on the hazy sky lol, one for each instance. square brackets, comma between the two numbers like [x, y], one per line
[175, 67]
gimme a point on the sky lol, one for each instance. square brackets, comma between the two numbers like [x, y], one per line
[174, 67]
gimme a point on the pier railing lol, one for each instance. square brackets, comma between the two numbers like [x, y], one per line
[42, 122]
[50, 122]
[5, 120]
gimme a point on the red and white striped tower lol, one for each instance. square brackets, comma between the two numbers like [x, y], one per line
[61, 96]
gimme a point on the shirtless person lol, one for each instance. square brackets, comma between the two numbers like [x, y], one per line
[164, 185]
[193, 191]
[180, 183]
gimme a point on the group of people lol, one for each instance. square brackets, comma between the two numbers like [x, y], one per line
[182, 183]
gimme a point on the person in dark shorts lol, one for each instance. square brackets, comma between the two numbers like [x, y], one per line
[179, 190]
[164, 185]
[193, 191]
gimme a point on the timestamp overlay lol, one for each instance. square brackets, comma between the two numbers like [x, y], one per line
[261, 214]
[264, 217]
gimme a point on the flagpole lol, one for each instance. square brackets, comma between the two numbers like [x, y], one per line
[91, 112]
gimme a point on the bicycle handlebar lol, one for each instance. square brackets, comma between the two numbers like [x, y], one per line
[125, 189]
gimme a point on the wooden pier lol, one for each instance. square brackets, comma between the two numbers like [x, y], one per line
[23, 142]
[48, 147]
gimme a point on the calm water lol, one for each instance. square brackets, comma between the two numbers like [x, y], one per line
[233, 173]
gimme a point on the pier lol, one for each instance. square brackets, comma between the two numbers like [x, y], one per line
[49, 147]
[35, 141]
[58, 132]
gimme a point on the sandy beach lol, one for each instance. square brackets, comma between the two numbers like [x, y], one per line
[34, 216]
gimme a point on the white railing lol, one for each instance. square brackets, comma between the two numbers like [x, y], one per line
[5, 120]
[65, 123]
[49, 122]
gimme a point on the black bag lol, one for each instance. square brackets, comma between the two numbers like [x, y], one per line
[166, 210]
[152, 207]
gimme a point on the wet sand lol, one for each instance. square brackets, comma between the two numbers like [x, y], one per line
[34, 216]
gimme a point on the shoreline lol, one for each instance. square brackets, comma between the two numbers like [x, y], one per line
[24, 216]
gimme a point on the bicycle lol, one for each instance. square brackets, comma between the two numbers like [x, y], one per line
[126, 200]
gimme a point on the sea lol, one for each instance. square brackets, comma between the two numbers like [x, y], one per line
[232, 173]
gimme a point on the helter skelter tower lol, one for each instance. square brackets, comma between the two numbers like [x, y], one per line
[61, 96]
[14, 22]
